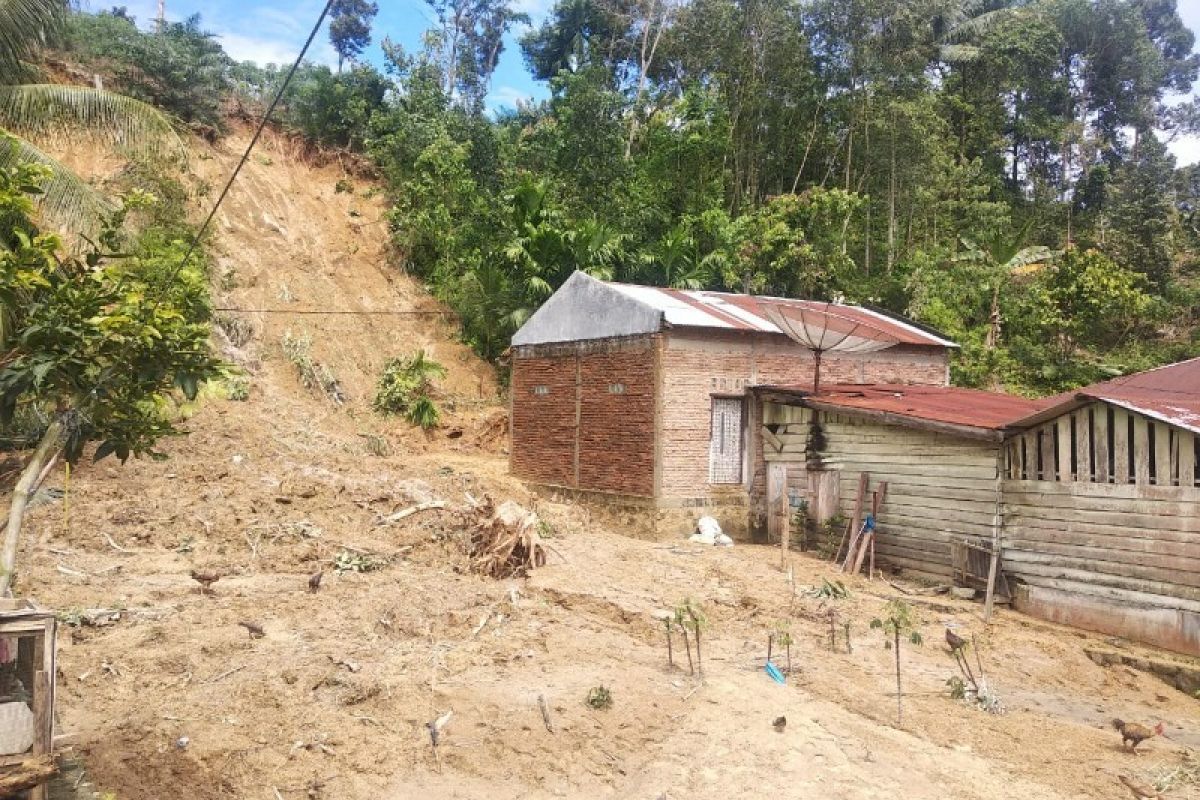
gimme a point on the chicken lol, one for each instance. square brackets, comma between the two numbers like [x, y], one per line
[1133, 734]
[1139, 791]
[955, 641]
[780, 723]
[205, 579]
[253, 628]
[314, 581]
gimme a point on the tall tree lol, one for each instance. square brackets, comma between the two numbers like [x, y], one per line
[350, 28]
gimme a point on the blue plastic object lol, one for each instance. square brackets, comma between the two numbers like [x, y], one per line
[775, 674]
[869, 523]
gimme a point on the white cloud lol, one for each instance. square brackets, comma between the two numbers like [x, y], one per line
[264, 51]
[507, 97]
[1186, 150]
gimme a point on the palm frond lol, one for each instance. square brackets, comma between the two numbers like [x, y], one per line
[67, 202]
[24, 26]
[977, 26]
[959, 53]
[50, 108]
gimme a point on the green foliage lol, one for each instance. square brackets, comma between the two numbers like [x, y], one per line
[600, 698]
[405, 387]
[181, 69]
[298, 350]
[830, 590]
[100, 343]
[357, 561]
[898, 621]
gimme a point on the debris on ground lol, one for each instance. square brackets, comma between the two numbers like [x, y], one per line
[505, 541]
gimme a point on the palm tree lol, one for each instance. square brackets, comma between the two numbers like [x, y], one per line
[674, 260]
[46, 109]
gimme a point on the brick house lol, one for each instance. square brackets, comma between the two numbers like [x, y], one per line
[639, 396]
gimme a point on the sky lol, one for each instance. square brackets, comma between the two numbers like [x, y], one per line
[269, 31]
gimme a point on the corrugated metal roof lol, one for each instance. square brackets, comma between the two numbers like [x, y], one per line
[699, 309]
[952, 405]
[1170, 393]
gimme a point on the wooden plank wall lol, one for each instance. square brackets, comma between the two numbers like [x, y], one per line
[1117, 516]
[939, 486]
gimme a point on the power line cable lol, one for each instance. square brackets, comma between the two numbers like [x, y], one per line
[408, 313]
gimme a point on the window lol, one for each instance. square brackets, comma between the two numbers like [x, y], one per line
[616, 388]
[725, 442]
[541, 389]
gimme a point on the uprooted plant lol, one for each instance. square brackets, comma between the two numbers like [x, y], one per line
[971, 684]
[898, 621]
[406, 387]
[298, 350]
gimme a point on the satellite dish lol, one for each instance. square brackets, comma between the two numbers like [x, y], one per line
[824, 328]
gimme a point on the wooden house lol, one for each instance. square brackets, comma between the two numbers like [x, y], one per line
[640, 396]
[939, 448]
[1102, 507]
[1092, 497]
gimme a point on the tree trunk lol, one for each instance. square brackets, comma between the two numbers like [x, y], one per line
[27, 775]
[31, 476]
[644, 62]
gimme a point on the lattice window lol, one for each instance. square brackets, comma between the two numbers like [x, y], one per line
[725, 443]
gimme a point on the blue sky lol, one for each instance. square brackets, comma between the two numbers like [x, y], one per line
[273, 30]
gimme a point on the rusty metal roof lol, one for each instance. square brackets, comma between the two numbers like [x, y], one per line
[948, 405]
[700, 309]
[1170, 394]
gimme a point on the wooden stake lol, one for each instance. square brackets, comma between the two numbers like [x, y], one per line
[864, 480]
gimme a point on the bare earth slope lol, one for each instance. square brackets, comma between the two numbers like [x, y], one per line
[171, 697]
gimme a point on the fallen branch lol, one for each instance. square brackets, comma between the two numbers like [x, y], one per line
[408, 512]
[27, 775]
[227, 673]
[545, 708]
[114, 545]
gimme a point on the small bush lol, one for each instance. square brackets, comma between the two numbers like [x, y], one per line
[600, 698]
[343, 186]
[237, 388]
[405, 386]
[238, 330]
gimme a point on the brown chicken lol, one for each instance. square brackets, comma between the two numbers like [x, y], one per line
[955, 641]
[314, 581]
[1133, 734]
[205, 579]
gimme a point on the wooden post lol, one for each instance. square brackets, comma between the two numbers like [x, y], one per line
[1162, 454]
[1141, 450]
[42, 710]
[1120, 448]
[1187, 458]
[997, 527]
[1083, 446]
[864, 480]
[1100, 428]
[1064, 449]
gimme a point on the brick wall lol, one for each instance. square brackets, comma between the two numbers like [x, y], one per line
[543, 425]
[608, 386]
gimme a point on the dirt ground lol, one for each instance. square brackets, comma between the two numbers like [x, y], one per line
[164, 694]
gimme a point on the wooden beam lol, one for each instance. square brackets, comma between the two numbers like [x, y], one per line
[1162, 454]
[1100, 441]
[1141, 450]
[1064, 449]
[1120, 448]
[1187, 458]
[1083, 446]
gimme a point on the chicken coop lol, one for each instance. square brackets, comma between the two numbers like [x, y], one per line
[27, 668]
